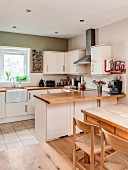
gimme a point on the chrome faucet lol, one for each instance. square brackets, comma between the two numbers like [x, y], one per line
[13, 83]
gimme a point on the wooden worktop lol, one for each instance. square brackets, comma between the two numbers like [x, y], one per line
[66, 97]
[2, 90]
[41, 88]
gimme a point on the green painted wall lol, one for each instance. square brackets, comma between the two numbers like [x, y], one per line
[34, 42]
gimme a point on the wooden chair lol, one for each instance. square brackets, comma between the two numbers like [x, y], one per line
[89, 143]
[117, 160]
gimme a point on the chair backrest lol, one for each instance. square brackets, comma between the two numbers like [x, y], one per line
[116, 142]
[85, 126]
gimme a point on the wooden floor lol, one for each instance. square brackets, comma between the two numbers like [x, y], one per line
[64, 146]
[53, 155]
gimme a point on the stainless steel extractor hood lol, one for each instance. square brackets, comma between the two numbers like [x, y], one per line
[84, 60]
[90, 41]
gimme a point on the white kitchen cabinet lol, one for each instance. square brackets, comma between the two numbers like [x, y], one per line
[53, 62]
[2, 104]
[60, 63]
[70, 58]
[98, 56]
[55, 90]
[50, 62]
[31, 106]
[16, 109]
[108, 102]
[83, 105]
[58, 120]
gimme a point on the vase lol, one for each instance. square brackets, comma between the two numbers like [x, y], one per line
[7, 77]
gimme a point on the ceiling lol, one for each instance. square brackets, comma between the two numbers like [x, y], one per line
[49, 16]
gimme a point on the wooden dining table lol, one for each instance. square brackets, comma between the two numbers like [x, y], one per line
[112, 118]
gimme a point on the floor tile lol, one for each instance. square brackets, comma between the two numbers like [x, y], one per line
[11, 139]
[2, 141]
[25, 136]
[18, 126]
[23, 132]
[7, 127]
[9, 134]
[3, 147]
[32, 130]
[29, 123]
[29, 142]
[14, 145]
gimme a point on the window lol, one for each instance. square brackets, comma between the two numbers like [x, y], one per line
[14, 60]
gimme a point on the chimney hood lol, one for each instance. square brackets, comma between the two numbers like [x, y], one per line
[90, 41]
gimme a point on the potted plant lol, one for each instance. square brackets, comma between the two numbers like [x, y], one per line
[21, 78]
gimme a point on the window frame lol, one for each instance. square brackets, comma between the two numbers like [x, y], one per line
[7, 50]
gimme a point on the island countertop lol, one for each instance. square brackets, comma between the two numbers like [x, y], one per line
[2, 90]
[66, 97]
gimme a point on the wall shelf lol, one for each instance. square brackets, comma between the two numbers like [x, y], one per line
[36, 62]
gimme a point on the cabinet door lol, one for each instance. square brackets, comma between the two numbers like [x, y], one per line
[96, 61]
[58, 120]
[16, 109]
[2, 105]
[73, 57]
[51, 62]
[83, 105]
[68, 63]
[98, 55]
[31, 106]
[60, 63]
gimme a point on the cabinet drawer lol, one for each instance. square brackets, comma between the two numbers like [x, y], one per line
[100, 123]
[122, 133]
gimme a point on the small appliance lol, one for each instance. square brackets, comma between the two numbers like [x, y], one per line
[115, 87]
[50, 83]
[41, 83]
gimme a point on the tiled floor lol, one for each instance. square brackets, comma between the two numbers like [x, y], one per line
[17, 134]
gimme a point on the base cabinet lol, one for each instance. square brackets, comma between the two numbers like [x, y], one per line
[31, 105]
[16, 109]
[58, 120]
[83, 105]
[2, 105]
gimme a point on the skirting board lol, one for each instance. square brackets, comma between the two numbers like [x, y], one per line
[18, 118]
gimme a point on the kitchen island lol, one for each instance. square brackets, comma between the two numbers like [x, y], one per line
[54, 112]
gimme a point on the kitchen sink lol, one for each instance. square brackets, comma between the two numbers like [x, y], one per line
[16, 95]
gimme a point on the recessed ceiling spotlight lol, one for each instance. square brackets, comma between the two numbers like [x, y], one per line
[28, 10]
[81, 20]
[56, 32]
[14, 27]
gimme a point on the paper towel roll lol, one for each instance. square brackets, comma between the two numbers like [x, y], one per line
[72, 82]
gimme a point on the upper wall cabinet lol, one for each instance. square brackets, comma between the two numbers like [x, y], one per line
[98, 56]
[53, 62]
[70, 58]
[62, 62]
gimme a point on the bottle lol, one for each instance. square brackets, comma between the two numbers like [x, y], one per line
[83, 85]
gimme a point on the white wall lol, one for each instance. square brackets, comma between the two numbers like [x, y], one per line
[78, 42]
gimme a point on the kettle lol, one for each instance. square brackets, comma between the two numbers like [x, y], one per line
[41, 83]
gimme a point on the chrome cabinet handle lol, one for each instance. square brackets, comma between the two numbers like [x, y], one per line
[63, 68]
[25, 108]
[29, 96]
[47, 68]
